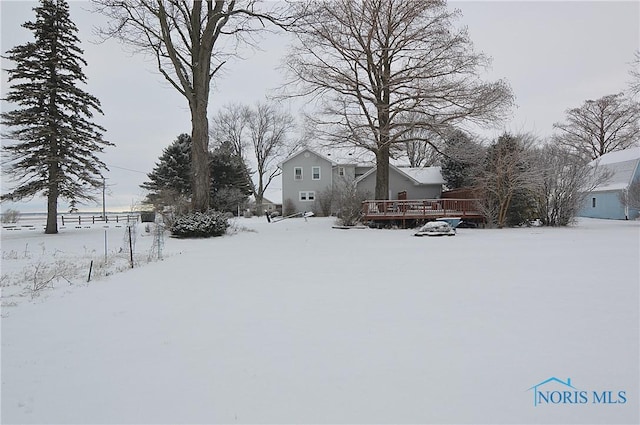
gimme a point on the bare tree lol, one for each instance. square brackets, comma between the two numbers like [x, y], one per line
[600, 126]
[261, 136]
[421, 154]
[423, 146]
[191, 41]
[634, 84]
[630, 198]
[367, 63]
[348, 202]
[566, 180]
[229, 125]
[508, 181]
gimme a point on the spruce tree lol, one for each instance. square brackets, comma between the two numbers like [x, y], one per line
[230, 186]
[169, 183]
[53, 140]
[171, 177]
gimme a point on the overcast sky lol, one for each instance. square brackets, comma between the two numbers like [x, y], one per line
[555, 55]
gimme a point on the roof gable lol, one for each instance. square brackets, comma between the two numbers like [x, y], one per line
[300, 152]
[623, 166]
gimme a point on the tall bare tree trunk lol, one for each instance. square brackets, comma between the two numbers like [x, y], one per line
[202, 47]
[382, 172]
[200, 180]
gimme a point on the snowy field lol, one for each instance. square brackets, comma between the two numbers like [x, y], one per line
[296, 322]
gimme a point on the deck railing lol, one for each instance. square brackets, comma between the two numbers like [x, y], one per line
[419, 208]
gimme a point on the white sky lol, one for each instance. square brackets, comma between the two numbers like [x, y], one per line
[555, 55]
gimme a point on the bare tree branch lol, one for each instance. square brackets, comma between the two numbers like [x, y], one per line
[368, 63]
[185, 38]
[600, 126]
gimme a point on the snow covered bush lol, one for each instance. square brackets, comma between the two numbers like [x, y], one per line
[200, 225]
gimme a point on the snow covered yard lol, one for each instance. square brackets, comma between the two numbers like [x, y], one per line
[295, 322]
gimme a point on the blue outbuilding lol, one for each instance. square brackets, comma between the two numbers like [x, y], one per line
[605, 201]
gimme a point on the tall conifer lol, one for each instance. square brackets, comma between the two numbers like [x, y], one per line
[52, 141]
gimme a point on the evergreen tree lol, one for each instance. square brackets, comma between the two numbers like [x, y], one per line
[230, 185]
[54, 141]
[171, 177]
[461, 160]
[170, 181]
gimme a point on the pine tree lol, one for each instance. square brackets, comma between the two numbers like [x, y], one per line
[230, 185]
[171, 177]
[54, 140]
[460, 160]
[170, 181]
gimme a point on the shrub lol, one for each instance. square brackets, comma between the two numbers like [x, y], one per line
[10, 216]
[323, 202]
[200, 225]
[348, 200]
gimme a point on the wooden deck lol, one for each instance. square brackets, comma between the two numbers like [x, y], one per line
[420, 210]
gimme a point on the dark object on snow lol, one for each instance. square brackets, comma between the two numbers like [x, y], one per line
[467, 225]
[147, 217]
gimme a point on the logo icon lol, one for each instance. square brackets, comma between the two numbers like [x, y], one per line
[547, 396]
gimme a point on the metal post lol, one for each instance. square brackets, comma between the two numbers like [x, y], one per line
[130, 247]
[104, 186]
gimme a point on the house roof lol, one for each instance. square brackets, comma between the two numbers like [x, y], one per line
[622, 165]
[419, 176]
[349, 156]
[295, 154]
[271, 195]
[629, 154]
[425, 175]
[337, 155]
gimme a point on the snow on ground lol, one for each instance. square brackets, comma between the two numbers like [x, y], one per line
[296, 322]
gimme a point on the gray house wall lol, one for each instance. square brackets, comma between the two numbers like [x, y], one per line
[292, 187]
[399, 183]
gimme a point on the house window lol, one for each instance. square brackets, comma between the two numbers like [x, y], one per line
[297, 173]
[308, 196]
[341, 171]
[593, 202]
[315, 173]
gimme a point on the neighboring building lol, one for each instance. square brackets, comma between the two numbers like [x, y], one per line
[308, 174]
[271, 202]
[605, 200]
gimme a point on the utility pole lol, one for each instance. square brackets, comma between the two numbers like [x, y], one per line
[104, 186]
